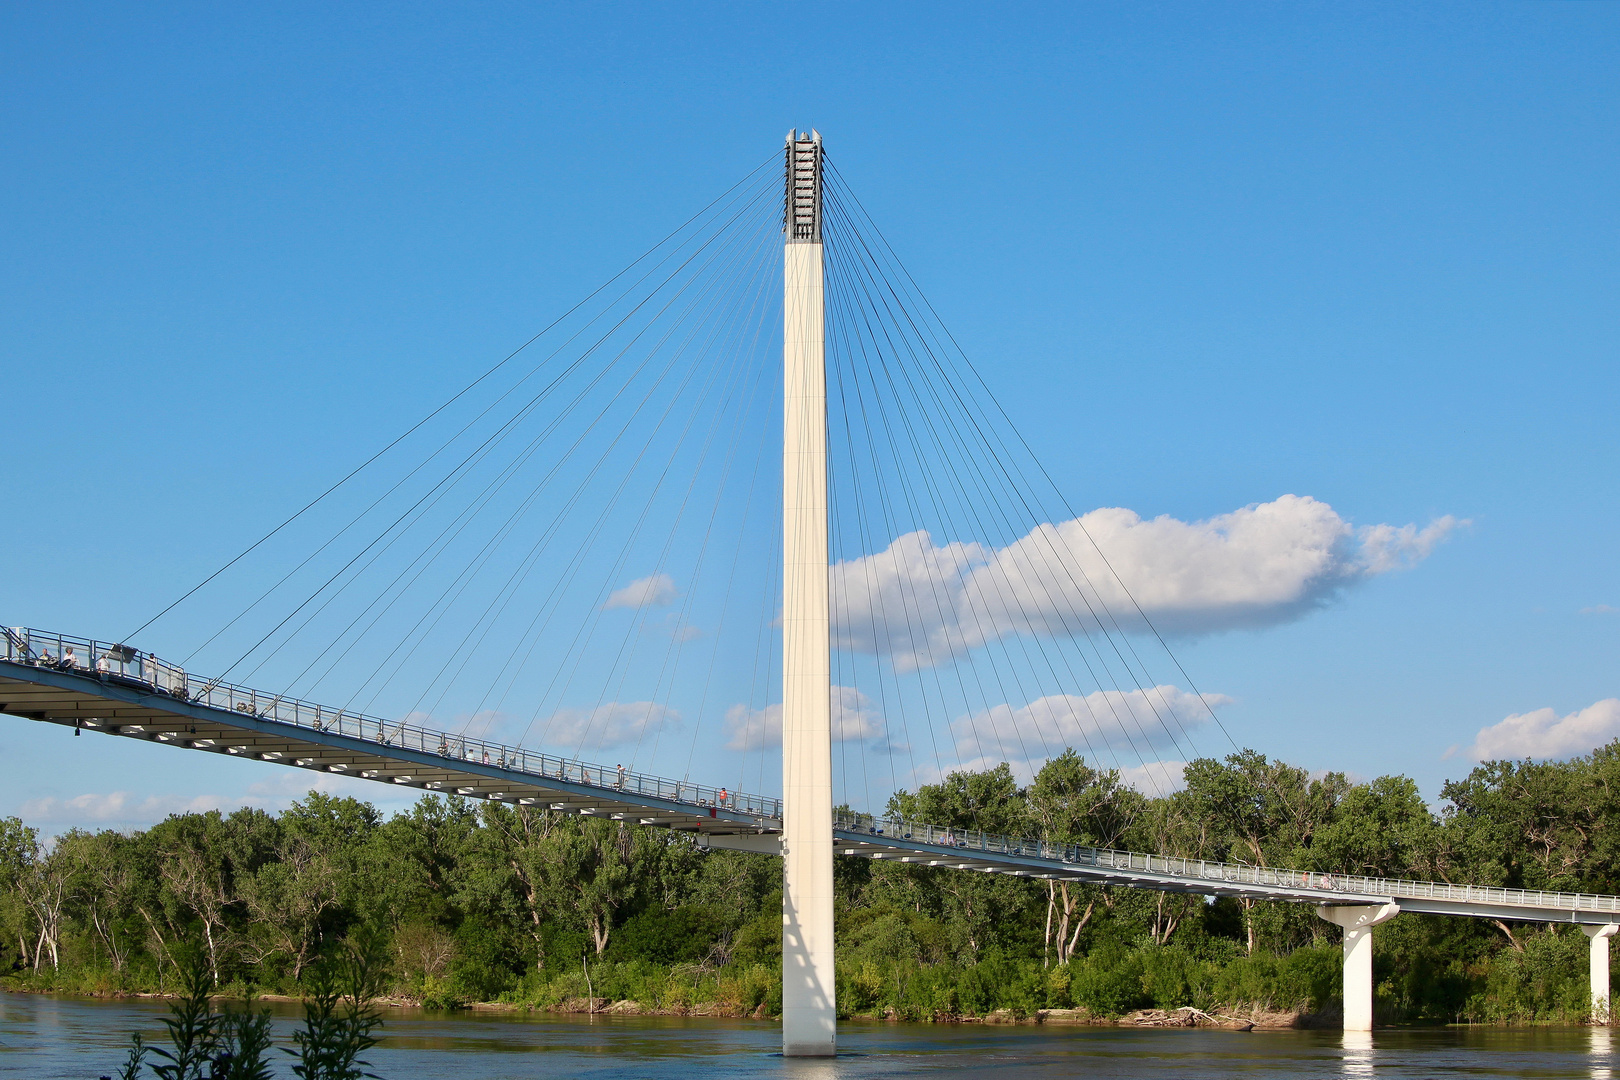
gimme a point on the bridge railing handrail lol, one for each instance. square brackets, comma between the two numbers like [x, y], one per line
[1191, 870]
[123, 664]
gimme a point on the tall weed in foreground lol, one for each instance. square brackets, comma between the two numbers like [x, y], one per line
[339, 1025]
[194, 1027]
[246, 1039]
[339, 1017]
[132, 1063]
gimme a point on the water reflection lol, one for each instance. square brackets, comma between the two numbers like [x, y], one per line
[1358, 1053]
[45, 1038]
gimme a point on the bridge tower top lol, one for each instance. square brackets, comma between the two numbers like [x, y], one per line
[801, 219]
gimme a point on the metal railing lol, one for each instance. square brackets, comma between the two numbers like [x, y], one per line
[971, 842]
[122, 665]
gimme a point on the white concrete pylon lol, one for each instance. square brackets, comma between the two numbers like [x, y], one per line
[809, 1006]
[1598, 968]
[1358, 921]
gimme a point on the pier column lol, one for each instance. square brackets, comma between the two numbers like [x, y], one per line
[1358, 921]
[809, 983]
[1598, 968]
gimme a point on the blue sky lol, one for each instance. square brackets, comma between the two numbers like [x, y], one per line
[1205, 255]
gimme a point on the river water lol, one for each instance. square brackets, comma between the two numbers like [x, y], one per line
[43, 1038]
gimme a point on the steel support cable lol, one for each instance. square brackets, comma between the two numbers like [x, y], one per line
[449, 477]
[904, 587]
[451, 401]
[440, 545]
[761, 677]
[427, 556]
[545, 537]
[676, 647]
[765, 640]
[861, 546]
[731, 580]
[500, 703]
[574, 567]
[1050, 593]
[590, 387]
[698, 301]
[1030, 453]
[839, 680]
[626, 547]
[866, 542]
[509, 589]
[973, 419]
[936, 582]
[997, 671]
[846, 303]
[482, 560]
[511, 682]
[839, 601]
[946, 456]
[757, 317]
[1141, 690]
[985, 711]
[738, 372]
[940, 503]
[578, 650]
[1042, 572]
[991, 639]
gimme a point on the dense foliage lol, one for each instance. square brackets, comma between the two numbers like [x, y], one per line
[484, 901]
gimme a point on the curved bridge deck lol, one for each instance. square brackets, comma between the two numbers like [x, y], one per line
[132, 695]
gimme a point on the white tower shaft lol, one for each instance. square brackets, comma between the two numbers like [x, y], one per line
[809, 1008]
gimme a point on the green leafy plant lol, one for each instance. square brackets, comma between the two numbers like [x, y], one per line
[194, 1028]
[245, 1036]
[132, 1063]
[339, 1017]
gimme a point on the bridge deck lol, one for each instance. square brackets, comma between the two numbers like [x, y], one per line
[160, 704]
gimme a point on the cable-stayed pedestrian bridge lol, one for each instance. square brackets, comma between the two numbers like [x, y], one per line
[602, 521]
[116, 690]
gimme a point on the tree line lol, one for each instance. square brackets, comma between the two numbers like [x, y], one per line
[478, 901]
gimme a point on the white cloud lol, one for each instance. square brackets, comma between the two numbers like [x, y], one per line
[656, 590]
[853, 719]
[96, 809]
[612, 724]
[129, 810]
[1599, 609]
[1155, 777]
[922, 604]
[1545, 734]
[1108, 723]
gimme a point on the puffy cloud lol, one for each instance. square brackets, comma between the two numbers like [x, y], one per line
[655, 590]
[922, 604]
[853, 719]
[1108, 723]
[612, 724]
[1156, 777]
[120, 807]
[1545, 734]
[129, 810]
